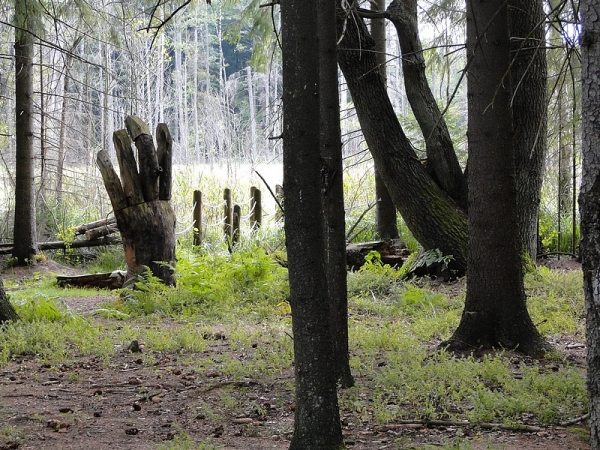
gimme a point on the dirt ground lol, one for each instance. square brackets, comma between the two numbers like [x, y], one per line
[131, 404]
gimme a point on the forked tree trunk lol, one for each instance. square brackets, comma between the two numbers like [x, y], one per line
[429, 212]
[440, 150]
[141, 198]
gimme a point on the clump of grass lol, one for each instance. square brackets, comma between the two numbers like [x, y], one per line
[556, 301]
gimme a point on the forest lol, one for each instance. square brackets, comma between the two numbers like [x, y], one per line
[300, 224]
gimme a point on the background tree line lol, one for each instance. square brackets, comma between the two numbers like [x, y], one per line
[94, 63]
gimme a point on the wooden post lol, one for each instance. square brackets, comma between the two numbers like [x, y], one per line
[145, 219]
[252, 206]
[197, 218]
[165, 158]
[237, 216]
[257, 213]
[228, 214]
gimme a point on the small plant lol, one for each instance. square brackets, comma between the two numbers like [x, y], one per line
[12, 434]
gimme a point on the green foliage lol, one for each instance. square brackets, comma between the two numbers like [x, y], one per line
[183, 441]
[255, 24]
[107, 260]
[211, 284]
[12, 434]
[548, 231]
[556, 301]
[373, 277]
[43, 308]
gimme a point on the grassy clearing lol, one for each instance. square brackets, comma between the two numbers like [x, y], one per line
[394, 327]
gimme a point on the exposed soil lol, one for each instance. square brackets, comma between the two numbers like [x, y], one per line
[136, 402]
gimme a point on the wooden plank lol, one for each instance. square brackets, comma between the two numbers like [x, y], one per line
[130, 179]
[165, 160]
[111, 181]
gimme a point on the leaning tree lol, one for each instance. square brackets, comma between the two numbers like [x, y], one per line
[431, 195]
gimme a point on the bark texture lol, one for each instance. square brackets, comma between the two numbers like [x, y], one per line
[7, 312]
[316, 417]
[430, 214]
[24, 225]
[141, 199]
[528, 74]
[332, 188]
[385, 212]
[495, 313]
[589, 204]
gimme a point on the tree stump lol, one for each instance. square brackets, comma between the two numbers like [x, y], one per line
[141, 198]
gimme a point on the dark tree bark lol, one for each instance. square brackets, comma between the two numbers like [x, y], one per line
[385, 212]
[440, 151]
[495, 313]
[429, 212]
[317, 421]
[528, 73]
[24, 225]
[141, 200]
[589, 204]
[7, 312]
[332, 188]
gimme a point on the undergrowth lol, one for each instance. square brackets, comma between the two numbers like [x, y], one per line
[395, 327]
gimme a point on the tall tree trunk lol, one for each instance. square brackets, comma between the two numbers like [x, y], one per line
[60, 163]
[252, 111]
[495, 313]
[430, 214]
[385, 211]
[196, 88]
[589, 204]
[528, 74]
[332, 188]
[317, 421]
[24, 225]
[441, 157]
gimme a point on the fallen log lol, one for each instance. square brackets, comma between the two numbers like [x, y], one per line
[110, 280]
[391, 251]
[82, 229]
[62, 245]
[98, 232]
